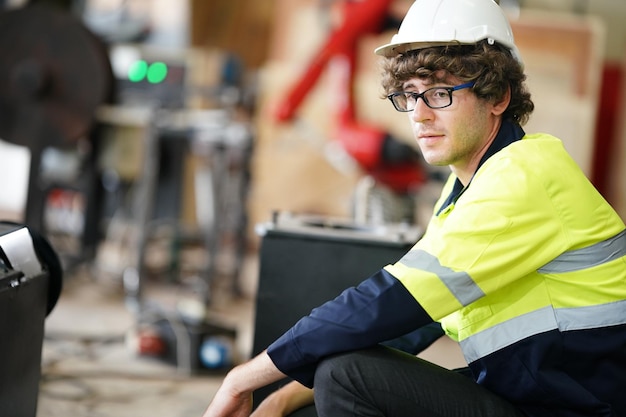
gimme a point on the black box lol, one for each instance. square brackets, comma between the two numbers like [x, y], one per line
[305, 261]
[24, 304]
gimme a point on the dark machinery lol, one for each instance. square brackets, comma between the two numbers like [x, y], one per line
[30, 285]
[53, 75]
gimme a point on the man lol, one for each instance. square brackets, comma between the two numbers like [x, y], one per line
[523, 262]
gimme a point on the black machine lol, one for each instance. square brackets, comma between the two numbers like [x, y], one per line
[54, 74]
[30, 285]
[307, 260]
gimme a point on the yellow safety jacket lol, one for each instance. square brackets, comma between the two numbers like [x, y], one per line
[518, 255]
[526, 269]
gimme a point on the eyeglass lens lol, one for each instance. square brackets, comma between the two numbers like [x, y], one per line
[434, 98]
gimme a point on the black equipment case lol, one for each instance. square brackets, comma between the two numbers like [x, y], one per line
[30, 284]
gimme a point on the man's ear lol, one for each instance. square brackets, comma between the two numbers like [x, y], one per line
[501, 105]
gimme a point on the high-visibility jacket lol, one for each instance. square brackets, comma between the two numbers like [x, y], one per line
[525, 267]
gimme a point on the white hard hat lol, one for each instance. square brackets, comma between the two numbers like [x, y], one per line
[450, 22]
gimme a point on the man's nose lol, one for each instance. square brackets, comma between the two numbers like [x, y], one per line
[421, 112]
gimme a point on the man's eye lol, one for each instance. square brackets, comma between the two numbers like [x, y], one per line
[439, 93]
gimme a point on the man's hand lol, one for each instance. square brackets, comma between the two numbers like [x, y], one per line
[227, 403]
[234, 397]
[284, 401]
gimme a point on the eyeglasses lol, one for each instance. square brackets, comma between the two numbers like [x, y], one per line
[435, 98]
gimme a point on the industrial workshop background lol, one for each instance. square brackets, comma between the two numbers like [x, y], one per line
[171, 151]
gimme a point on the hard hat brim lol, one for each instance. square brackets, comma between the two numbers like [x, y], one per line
[398, 48]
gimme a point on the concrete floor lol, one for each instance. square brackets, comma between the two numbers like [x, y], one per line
[90, 365]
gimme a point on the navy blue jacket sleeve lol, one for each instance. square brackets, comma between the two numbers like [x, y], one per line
[378, 309]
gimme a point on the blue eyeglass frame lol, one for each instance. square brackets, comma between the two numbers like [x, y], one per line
[421, 95]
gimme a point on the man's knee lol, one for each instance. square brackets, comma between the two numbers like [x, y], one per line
[329, 369]
[334, 388]
[342, 368]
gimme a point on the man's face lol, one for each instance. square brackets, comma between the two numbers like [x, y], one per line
[457, 135]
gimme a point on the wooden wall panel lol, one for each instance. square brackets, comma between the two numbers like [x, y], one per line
[564, 56]
[617, 158]
[243, 27]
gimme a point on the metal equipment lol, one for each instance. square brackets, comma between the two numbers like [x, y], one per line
[222, 149]
[53, 75]
[30, 285]
[169, 120]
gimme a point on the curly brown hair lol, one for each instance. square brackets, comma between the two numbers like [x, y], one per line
[491, 67]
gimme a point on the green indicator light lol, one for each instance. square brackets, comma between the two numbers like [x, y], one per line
[157, 72]
[137, 71]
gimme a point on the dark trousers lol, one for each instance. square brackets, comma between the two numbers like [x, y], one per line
[386, 382]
